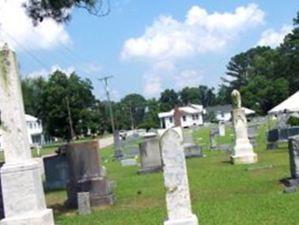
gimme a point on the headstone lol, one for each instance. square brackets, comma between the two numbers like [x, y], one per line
[56, 171]
[294, 156]
[213, 142]
[84, 203]
[243, 151]
[221, 127]
[150, 156]
[128, 162]
[22, 190]
[85, 175]
[190, 148]
[118, 154]
[176, 180]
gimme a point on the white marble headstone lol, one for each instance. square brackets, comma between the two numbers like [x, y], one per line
[176, 180]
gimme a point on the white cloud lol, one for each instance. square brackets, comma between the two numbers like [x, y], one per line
[16, 25]
[274, 38]
[45, 73]
[201, 32]
[188, 78]
[153, 85]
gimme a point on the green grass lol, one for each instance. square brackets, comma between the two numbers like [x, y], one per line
[221, 193]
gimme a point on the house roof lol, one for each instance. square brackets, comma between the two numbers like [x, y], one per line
[190, 109]
[291, 104]
[30, 118]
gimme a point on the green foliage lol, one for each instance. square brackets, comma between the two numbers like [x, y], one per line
[293, 121]
[168, 100]
[60, 10]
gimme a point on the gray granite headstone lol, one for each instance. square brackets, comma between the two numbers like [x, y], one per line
[86, 176]
[84, 203]
[56, 171]
[294, 156]
[118, 154]
[150, 156]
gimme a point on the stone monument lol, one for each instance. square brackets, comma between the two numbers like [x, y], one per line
[221, 128]
[176, 180]
[22, 190]
[294, 160]
[56, 171]
[150, 156]
[243, 151]
[86, 175]
[118, 154]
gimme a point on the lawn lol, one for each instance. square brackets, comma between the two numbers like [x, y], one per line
[221, 193]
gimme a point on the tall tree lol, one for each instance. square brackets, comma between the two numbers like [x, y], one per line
[168, 100]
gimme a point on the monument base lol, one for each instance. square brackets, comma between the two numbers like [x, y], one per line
[99, 191]
[246, 158]
[150, 170]
[45, 218]
[23, 198]
[187, 221]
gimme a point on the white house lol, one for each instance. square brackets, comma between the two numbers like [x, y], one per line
[224, 112]
[34, 129]
[191, 115]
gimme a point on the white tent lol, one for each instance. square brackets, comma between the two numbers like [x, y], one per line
[289, 105]
[248, 111]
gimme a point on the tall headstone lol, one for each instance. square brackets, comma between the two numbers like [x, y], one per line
[150, 156]
[118, 154]
[243, 151]
[86, 175]
[294, 156]
[221, 128]
[22, 190]
[176, 180]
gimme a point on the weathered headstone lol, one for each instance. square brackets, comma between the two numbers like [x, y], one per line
[84, 203]
[190, 148]
[85, 175]
[150, 156]
[176, 180]
[22, 191]
[294, 156]
[221, 128]
[56, 171]
[128, 162]
[213, 142]
[243, 151]
[118, 154]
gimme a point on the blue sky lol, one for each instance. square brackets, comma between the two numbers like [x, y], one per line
[147, 46]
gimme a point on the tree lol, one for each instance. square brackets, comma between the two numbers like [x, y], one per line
[60, 10]
[134, 106]
[67, 105]
[168, 100]
[190, 95]
[151, 119]
[289, 50]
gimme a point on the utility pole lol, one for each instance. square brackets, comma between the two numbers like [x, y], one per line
[106, 86]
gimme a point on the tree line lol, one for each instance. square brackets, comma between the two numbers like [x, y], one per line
[67, 107]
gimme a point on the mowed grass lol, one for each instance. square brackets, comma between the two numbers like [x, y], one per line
[221, 193]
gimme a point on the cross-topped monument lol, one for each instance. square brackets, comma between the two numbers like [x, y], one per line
[22, 191]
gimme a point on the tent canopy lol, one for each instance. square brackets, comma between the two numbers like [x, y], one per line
[289, 105]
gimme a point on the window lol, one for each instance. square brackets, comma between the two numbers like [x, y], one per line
[170, 119]
[184, 118]
[197, 116]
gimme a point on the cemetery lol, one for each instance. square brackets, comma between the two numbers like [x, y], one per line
[192, 155]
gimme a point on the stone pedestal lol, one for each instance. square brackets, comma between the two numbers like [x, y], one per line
[150, 156]
[23, 197]
[22, 190]
[243, 151]
[86, 176]
[176, 180]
